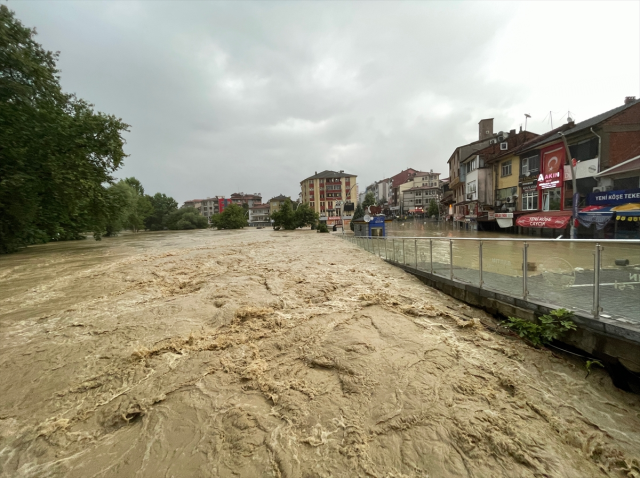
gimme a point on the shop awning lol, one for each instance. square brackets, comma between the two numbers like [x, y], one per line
[598, 215]
[505, 222]
[550, 219]
[416, 210]
[627, 212]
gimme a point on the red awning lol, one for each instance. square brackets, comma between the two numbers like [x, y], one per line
[551, 219]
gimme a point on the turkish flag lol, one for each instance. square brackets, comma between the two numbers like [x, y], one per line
[552, 158]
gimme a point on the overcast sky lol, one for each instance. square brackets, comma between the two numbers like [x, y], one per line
[246, 96]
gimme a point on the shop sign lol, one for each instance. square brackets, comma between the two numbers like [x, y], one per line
[504, 215]
[612, 198]
[549, 181]
[529, 186]
[584, 169]
[491, 215]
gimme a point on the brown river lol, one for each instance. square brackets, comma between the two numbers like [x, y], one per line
[280, 354]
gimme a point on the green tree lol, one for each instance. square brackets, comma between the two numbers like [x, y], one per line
[119, 198]
[433, 209]
[369, 200]
[285, 217]
[56, 153]
[163, 205]
[382, 201]
[358, 213]
[187, 218]
[305, 216]
[135, 184]
[233, 217]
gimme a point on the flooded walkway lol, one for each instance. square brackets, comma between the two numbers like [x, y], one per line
[284, 354]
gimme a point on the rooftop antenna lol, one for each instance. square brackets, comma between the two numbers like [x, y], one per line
[526, 117]
[569, 118]
[551, 119]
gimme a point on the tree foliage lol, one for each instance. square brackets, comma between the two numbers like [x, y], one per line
[293, 215]
[233, 217]
[56, 152]
[433, 209]
[162, 205]
[369, 200]
[305, 216]
[358, 213]
[186, 218]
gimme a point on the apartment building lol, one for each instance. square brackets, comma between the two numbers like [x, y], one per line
[327, 191]
[248, 199]
[259, 214]
[275, 203]
[206, 207]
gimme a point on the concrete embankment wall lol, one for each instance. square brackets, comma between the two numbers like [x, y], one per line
[614, 343]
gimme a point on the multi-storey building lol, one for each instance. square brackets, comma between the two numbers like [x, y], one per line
[248, 199]
[417, 199]
[276, 203]
[327, 191]
[259, 214]
[383, 190]
[206, 207]
[545, 176]
[419, 180]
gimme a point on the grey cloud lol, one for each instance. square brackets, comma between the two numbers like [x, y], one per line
[256, 96]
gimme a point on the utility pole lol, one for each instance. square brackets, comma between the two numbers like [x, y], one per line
[576, 195]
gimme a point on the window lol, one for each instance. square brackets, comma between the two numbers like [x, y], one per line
[506, 168]
[530, 201]
[471, 187]
[585, 150]
[551, 199]
[525, 167]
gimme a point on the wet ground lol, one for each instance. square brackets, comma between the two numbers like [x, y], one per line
[290, 354]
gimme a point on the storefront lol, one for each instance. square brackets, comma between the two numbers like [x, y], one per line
[550, 180]
[613, 214]
[545, 219]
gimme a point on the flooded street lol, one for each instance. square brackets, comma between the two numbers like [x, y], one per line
[280, 354]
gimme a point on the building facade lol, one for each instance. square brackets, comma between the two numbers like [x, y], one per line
[248, 199]
[275, 203]
[327, 191]
[259, 214]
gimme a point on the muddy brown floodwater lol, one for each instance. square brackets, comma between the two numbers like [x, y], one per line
[279, 354]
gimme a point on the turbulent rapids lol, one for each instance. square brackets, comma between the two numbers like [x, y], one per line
[279, 354]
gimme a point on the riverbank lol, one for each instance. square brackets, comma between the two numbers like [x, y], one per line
[262, 353]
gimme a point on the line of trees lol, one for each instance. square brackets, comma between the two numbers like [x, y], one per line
[58, 155]
[290, 217]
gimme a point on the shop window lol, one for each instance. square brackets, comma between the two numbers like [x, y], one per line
[506, 168]
[530, 201]
[551, 199]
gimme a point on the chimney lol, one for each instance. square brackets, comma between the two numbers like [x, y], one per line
[629, 99]
[342, 170]
[513, 131]
[485, 128]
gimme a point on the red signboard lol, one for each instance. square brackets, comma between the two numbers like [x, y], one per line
[552, 163]
[550, 219]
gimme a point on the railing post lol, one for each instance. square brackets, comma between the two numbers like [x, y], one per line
[404, 257]
[393, 246]
[451, 259]
[431, 254]
[386, 254]
[596, 281]
[525, 292]
[480, 262]
[415, 251]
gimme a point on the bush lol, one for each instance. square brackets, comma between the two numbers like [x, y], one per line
[186, 218]
[233, 217]
[550, 327]
[322, 227]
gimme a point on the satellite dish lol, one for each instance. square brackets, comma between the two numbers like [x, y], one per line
[366, 218]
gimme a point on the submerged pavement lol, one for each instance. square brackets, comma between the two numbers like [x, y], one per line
[291, 354]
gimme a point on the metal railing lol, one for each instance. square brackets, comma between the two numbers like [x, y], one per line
[571, 274]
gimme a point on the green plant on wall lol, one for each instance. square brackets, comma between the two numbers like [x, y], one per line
[550, 327]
